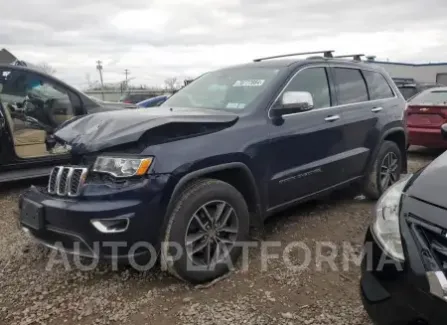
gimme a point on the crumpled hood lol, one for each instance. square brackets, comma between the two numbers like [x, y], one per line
[431, 184]
[99, 131]
[110, 106]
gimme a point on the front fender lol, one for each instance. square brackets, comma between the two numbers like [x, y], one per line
[178, 183]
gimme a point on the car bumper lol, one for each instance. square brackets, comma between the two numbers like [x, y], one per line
[388, 293]
[68, 224]
[426, 137]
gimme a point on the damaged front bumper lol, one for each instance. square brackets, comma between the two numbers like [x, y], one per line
[105, 222]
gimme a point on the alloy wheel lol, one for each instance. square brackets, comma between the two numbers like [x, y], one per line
[211, 233]
[389, 172]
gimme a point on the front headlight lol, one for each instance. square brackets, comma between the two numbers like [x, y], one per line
[386, 228]
[122, 167]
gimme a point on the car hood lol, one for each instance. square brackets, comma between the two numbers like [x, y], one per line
[110, 106]
[100, 131]
[431, 184]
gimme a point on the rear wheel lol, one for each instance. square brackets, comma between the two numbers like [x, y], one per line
[201, 241]
[385, 171]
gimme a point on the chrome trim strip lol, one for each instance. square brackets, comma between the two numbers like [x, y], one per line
[329, 65]
[58, 181]
[438, 284]
[97, 223]
[69, 175]
[82, 178]
[52, 176]
[57, 173]
[332, 118]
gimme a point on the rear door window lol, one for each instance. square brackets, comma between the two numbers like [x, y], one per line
[378, 86]
[350, 85]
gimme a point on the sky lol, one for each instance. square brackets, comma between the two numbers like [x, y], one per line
[160, 39]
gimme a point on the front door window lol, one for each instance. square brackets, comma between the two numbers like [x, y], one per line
[34, 107]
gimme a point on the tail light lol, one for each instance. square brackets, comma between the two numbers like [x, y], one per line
[428, 116]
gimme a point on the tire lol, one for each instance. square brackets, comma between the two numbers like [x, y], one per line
[209, 193]
[373, 187]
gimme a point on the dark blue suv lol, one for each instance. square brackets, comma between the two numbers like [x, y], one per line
[188, 179]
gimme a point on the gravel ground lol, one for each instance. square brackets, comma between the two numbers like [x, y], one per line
[30, 293]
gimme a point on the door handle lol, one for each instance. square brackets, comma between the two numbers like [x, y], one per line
[376, 109]
[332, 118]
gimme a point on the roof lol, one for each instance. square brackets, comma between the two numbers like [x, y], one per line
[437, 89]
[409, 64]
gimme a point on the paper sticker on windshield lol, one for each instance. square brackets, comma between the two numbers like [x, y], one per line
[249, 83]
[235, 105]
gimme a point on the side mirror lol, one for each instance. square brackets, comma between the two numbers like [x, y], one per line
[444, 131]
[294, 102]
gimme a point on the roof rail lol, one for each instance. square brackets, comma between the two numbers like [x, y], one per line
[327, 54]
[356, 57]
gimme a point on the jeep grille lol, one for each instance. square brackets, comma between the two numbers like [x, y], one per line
[66, 180]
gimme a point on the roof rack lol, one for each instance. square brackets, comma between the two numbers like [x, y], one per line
[327, 54]
[356, 57]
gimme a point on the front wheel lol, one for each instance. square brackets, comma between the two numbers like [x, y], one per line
[385, 171]
[205, 230]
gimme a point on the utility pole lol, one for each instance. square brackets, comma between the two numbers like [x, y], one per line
[99, 68]
[127, 72]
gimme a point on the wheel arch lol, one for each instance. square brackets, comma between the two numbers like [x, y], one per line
[236, 174]
[398, 136]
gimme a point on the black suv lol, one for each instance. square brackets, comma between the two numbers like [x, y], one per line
[404, 269]
[32, 106]
[228, 150]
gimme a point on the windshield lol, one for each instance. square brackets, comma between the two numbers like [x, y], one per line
[436, 97]
[229, 89]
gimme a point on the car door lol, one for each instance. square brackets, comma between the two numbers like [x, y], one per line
[6, 146]
[35, 105]
[305, 147]
[361, 110]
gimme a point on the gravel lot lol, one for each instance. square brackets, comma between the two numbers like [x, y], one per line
[30, 294]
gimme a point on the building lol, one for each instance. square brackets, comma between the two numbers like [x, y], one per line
[424, 72]
[6, 57]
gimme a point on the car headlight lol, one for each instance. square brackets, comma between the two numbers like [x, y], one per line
[386, 228]
[122, 167]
